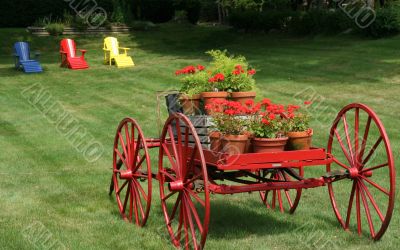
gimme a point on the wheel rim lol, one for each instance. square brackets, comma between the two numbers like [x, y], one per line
[131, 169]
[283, 199]
[186, 210]
[360, 146]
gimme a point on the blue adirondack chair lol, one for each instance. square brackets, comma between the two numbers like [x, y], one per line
[23, 59]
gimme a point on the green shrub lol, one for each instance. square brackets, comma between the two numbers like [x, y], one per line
[80, 24]
[68, 18]
[55, 29]
[387, 23]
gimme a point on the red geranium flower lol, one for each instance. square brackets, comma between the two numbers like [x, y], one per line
[251, 72]
[200, 67]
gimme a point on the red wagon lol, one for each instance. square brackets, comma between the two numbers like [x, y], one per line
[360, 175]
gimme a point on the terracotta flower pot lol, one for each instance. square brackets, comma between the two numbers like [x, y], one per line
[242, 97]
[190, 104]
[215, 141]
[209, 97]
[249, 145]
[299, 140]
[234, 144]
[262, 145]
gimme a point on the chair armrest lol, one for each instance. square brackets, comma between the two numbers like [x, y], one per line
[15, 55]
[83, 50]
[106, 49]
[63, 52]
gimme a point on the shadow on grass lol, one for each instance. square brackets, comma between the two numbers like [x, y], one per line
[231, 221]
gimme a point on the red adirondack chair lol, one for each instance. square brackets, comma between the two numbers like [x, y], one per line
[68, 55]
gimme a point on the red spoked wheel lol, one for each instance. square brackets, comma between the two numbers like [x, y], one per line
[183, 183]
[284, 199]
[360, 148]
[132, 175]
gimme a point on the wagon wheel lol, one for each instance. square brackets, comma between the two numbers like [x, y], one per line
[285, 199]
[131, 168]
[360, 147]
[183, 183]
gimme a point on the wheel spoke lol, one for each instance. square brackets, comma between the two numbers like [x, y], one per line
[192, 157]
[273, 199]
[190, 220]
[340, 163]
[168, 196]
[140, 204]
[164, 172]
[124, 149]
[175, 152]
[358, 210]
[349, 207]
[195, 214]
[135, 203]
[177, 202]
[196, 197]
[180, 222]
[122, 159]
[372, 200]
[142, 191]
[179, 144]
[374, 168]
[139, 164]
[365, 137]
[171, 160]
[185, 224]
[346, 130]
[122, 187]
[342, 147]
[128, 144]
[367, 212]
[131, 204]
[372, 150]
[280, 200]
[356, 131]
[137, 148]
[288, 198]
[193, 179]
[375, 185]
[126, 197]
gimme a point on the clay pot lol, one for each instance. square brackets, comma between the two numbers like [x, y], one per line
[190, 104]
[234, 144]
[215, 141]
[262, 145]
[249, 145]
[299, 140]
[209, 97]
[242, 97]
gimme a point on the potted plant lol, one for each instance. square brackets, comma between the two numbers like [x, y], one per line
[230, 124]
[242, 84]
[298, 128]
[214, 90]
[193, 82]
[238, 77]
[268, 127]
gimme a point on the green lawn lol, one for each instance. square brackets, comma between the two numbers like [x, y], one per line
[47, 188]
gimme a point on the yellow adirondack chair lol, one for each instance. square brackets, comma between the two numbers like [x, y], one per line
[112, 55]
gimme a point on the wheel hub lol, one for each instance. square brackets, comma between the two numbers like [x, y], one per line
[353, 173]
[126, 174]
[176, 185]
